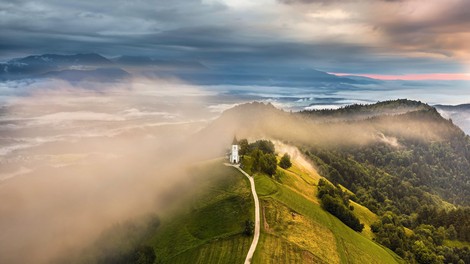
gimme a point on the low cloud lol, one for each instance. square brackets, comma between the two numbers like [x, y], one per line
[76, 161]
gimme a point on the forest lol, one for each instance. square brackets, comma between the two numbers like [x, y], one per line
[420, 186]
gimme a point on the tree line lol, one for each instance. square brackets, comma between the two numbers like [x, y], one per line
[336, 201]
[379, 177]
[260, 156]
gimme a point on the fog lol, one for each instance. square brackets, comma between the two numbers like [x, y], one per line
[460, 115]
[265, 121]
[74, 160]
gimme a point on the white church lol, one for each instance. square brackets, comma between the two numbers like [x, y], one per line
[234, 157]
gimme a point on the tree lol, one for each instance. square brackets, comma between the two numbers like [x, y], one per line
[285, 162]
[266, 146]
[249, 228]
[256, 156]
[244, 147]
[451, 233]
[268, 164]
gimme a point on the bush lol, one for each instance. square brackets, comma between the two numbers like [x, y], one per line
[335, 206]
[285, 162]
[249, 228]
[334, 200]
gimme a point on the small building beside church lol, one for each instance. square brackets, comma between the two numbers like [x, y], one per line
[234, 157]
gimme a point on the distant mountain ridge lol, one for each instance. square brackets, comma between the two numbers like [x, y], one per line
[451, 107]
[97, 75]
[83, 58]
[49, 65]
[460, 115]
[193, 71]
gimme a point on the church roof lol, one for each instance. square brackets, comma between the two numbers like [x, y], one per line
[235, 141]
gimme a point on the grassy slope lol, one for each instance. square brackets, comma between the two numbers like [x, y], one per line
[295, 229]
[210, 229]
[294, 220]
[366, 217]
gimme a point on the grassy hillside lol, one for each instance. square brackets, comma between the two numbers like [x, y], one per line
[400, 159]
[210, 229]
[294, 229]
[394, 168]
[297, 230]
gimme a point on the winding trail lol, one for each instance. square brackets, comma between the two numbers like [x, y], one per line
[249, 256]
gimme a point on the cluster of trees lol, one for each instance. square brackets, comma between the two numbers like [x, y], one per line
[374, 188]
[424, 245]
[456, 221]
[335, 201]
[258, 156]
[409, 183]
[265, 146]
[442, 167]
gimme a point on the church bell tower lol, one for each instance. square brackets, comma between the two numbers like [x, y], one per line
[234, 157]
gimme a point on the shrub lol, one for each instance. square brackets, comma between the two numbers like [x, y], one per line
[285, 162]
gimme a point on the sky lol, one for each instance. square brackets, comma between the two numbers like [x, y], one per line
[385, 39]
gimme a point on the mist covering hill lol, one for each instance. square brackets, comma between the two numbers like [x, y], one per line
[400, 159]
[460, 115]
[403, 168]
[412, 130]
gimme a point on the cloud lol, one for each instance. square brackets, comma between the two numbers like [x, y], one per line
[415, 30]
[371, 36]
[136, 113]
[77, 116]
[321, 107]
[435, 27]
[77, 161]
[219, 108]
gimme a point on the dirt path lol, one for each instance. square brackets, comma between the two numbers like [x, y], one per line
[249, 256]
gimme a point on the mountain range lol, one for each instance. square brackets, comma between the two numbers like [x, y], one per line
[81, 66]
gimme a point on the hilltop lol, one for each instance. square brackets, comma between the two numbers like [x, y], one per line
[364, 111]
[400, 159]
[402, 169]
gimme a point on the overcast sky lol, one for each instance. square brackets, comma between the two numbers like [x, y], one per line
[376, 37]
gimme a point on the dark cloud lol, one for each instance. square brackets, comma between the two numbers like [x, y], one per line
[216, 33]
[442, 30]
